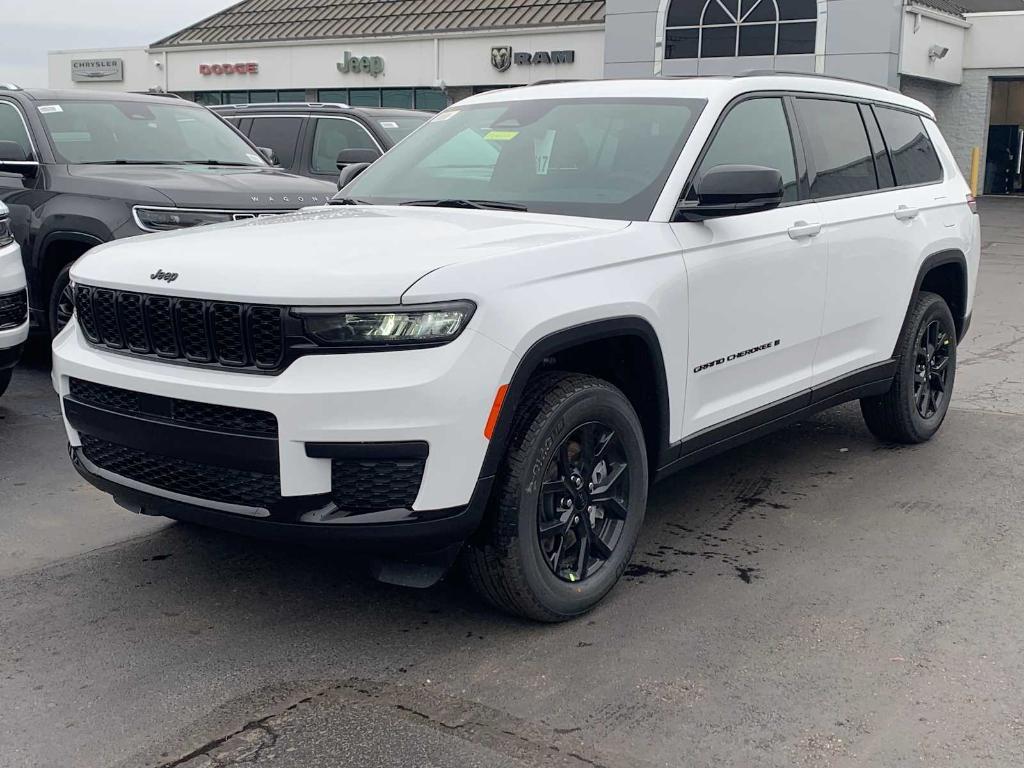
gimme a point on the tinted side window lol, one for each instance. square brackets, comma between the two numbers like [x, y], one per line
[913, 156]
[281, 134]
[13, 129]
[882, 164]
[755, 132]
[331, 137]
[837, 148]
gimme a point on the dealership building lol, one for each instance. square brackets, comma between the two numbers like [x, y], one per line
[962, 57]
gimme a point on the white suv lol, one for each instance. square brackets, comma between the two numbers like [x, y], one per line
[531, 308]
[13, 301]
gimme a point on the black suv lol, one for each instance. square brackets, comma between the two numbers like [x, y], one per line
[317, 140]
[81, 168]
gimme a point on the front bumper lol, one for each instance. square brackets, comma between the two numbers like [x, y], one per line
[12, 285]
[328, 409]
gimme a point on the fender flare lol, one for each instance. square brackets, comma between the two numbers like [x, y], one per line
[931, 262]
[610, 328]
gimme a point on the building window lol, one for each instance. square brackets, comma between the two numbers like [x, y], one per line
[430, 99]
[705, 29]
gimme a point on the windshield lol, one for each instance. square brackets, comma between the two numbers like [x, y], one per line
[606, 158]
[142, 132]
[397, 128]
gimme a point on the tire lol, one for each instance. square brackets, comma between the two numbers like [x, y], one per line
[591, 515]
[5, 380]
[56, 318]
[898, 415]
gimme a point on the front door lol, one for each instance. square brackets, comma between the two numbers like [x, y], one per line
[756, 282]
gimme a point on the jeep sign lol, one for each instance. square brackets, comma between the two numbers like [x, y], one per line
[371, 65]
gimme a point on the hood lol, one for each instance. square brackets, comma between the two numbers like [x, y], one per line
[327, 255]
[201, 186]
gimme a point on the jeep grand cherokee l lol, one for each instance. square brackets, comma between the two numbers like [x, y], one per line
[524, 313]
[80, 168]
[13, 301]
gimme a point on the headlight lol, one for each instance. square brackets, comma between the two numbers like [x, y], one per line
[163, 219]
[6, 233]
[423, 325]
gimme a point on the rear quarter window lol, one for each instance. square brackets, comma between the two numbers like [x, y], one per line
[914, 159]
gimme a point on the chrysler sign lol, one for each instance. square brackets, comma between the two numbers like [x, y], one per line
[97, 70]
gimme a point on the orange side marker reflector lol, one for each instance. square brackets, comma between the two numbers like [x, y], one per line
[492, 420]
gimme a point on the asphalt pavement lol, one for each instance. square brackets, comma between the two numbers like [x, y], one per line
[814, 599]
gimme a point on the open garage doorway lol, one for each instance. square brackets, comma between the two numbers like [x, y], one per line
[1004, 158]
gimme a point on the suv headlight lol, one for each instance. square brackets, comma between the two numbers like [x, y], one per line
[407, 326]
[6, 233]
[164, 219]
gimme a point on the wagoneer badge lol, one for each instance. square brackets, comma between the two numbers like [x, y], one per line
[169, 277]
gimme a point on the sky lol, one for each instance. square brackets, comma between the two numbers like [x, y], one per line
[31, 28]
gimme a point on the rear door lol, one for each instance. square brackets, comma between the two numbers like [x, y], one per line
[877, 226]
[756, 282]
[281, 133]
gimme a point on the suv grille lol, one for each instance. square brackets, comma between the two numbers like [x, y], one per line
[13, 309]
[375, 485]
[217, 418]
[195, 331]
[201, 481]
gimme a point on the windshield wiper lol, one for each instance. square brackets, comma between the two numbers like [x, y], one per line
[130, 162]
[221, 162]
[494, 205]
[346, 201]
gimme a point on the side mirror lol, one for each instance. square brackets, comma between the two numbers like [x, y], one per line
[356, 156]
[14, 159]
[349, 172]
[733, 190]
[270, 155]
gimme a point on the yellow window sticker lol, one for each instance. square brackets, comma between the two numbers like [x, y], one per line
[501, 135]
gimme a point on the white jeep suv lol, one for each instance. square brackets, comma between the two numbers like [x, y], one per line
[13, 301]
[506, 328]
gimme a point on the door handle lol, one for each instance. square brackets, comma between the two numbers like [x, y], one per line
[905, 213]
[802, 229]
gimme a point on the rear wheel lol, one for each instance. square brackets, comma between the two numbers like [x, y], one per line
[569, 503]
[916, 404]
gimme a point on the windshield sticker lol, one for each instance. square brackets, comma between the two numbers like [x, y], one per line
[388, 124]
[501, 135]
[542, 151]
[49, 109]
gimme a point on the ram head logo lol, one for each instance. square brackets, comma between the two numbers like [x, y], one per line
[501, 57]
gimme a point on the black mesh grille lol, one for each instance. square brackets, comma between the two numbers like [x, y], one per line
[265, 328]
[375, 485]
[218, 333]
[133, 323]
[104, 306]
[218, 418]
[13, 309]
[201, 481]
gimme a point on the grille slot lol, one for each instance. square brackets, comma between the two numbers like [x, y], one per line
[13, 309]
[201, 481]
[374, 485]
[217, 418]
[213, 333]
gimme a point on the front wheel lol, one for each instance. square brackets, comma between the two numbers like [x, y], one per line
[569, 503]
[916, 404]
[62, 302]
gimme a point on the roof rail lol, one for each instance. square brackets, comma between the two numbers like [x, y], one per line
[273, 104]
[164, 94]
[9, 87]
[813, 75]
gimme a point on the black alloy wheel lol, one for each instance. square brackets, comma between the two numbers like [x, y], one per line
[65, 308]
[584, 502]
[931, 372]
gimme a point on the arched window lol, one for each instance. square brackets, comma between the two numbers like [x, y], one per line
[705, 29]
